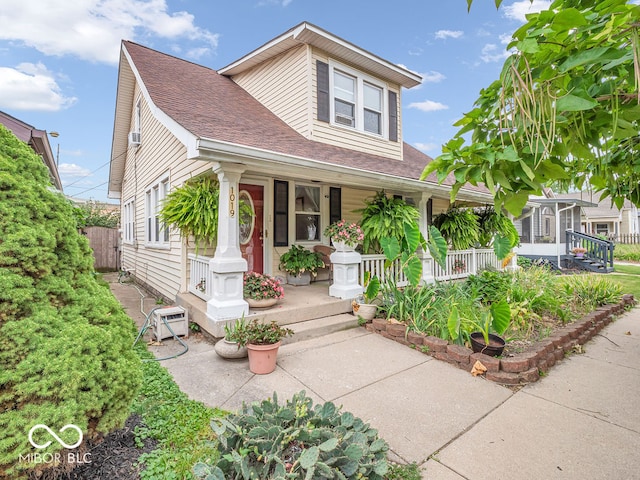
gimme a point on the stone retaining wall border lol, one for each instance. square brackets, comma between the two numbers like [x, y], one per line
[520, 369]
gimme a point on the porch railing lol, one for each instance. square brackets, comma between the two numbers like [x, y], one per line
[460, 264]
[597, 249]
[199, 278]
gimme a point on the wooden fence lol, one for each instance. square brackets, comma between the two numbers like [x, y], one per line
[104, 243]
[625, 238]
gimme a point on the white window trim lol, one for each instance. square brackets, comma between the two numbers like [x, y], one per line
[129, 222]
[150, 217]
[324, 212]
[361, 78]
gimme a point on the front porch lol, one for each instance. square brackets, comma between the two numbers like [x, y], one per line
[300, 305]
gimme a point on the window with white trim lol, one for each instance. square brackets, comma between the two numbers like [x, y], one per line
[129, 221]
[307, 212]
[358, 100]
[156, 232]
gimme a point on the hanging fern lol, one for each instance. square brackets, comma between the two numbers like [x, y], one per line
[493, 223]
[384, 217]
[459, 227]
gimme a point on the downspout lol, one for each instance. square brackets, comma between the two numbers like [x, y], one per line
[558, 229]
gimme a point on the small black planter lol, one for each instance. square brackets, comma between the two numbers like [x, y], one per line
[495, 347]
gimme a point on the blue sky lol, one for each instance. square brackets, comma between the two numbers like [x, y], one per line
[58, 59]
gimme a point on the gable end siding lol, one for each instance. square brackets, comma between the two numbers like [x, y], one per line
[281, 85]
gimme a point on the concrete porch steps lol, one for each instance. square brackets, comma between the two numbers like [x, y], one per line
[319, 327]
[299, 306]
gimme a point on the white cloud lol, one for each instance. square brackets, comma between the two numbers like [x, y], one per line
[432, 77]
[518, 10]
[73, 170]
[491, 53]
[31, 86]
[444, 34]
[276, 3]
[426, 147]
[92, 29]
[505, 38]
[429, 106]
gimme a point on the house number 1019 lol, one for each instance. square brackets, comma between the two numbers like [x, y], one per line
[232, 202]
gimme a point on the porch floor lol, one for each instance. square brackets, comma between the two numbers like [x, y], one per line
[300, 304]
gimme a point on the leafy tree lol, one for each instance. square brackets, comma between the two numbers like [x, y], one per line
[94, 214]
[565, 109]
[65, 342]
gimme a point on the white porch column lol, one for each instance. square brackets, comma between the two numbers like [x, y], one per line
[428, 275]
[345, 275]
[227, 265]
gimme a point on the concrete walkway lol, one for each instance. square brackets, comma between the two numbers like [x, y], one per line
[581, 421]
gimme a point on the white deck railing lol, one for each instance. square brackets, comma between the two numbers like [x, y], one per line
[460, 264]
[199, 278]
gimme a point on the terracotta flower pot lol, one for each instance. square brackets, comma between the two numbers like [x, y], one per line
[262, 358]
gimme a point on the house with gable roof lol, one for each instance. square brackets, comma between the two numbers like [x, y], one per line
[304, 128]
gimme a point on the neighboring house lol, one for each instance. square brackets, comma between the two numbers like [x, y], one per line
[305, 128]
[38, 140]
[551, 225]
[605, 218]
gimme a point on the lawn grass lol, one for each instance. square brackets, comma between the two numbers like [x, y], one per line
[628, 277]
[180, 425]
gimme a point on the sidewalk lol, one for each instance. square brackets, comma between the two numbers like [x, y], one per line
[582, 421]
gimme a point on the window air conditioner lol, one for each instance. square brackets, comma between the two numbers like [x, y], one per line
[174, 317]
[344, 120]
[134, 138]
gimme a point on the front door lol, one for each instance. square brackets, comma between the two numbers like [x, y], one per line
[252, 228]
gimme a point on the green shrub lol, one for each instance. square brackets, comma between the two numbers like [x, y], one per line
[489, 285]
[65, 342]
[296, 440]
[593, 290]
[627, 253]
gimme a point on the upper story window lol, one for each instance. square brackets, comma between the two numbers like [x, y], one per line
[358, 101]
[157, 234]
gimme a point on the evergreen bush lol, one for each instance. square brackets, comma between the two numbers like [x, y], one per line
[65, 342]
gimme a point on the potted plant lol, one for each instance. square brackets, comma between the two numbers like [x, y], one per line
[262, 341]
[363, 306]
[496, 319]
[579, 251]
[344, 236]
[261, 290]
[228, 348]
[300, 264]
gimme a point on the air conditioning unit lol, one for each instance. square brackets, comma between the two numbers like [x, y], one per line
[175, 317]
[134, 138]
[344, 120]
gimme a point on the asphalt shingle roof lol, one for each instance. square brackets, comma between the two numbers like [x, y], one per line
[212, 106]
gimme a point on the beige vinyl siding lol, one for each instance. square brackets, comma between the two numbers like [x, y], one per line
[158, 155]
[440, 205]
[281, 84]
[348, 137]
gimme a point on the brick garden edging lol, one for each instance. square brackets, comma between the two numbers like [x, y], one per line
[520, 369]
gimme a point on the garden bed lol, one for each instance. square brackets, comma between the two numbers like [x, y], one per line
[513, 368]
